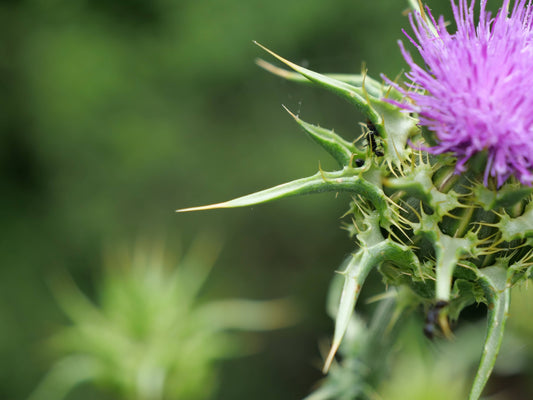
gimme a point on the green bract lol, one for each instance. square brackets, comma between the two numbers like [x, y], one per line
[446, 237]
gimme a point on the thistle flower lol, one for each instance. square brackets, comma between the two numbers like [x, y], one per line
[475, 91]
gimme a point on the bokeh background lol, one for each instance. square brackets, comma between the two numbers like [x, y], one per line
[114, 113]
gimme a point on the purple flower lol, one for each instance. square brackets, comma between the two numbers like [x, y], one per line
[475, 91]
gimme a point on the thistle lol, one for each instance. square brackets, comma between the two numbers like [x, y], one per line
[441, 176]
[149, 337]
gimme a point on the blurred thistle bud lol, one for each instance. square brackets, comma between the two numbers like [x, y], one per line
[146, 336]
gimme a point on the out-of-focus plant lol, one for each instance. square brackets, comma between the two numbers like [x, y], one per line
[441, 176]
[516, 359]
[438, 371]
[148, 337]
[521, 310]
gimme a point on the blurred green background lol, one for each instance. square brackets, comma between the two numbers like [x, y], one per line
[114, 113]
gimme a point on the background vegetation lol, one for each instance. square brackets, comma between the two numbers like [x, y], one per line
[116, 112]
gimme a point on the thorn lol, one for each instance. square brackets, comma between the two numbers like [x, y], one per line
[393, 170]
[290, 113]
[330, 358]
[356, 226]
[395, 204]
[203, 208]
[387, 93]
[322, 172]
[391, 233]
[283, 60]
[405, 234]
[413, 156]
[414, 210]
[467, 266]
[457, 217]
[365, 93]
[363, 133]
[283, 73]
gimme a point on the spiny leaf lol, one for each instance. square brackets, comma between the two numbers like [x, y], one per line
[355, 273]
[339, 181]
[373, 87]
[343, 151]
[355, 95]
[494, 280]
[517, 228]
[506, 196]
[385, 117]
[449, 251]
[419, 184]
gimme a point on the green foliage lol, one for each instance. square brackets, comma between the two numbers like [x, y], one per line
[422, 371]
[148, 337]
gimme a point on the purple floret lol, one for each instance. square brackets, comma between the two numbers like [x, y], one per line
[475, 91]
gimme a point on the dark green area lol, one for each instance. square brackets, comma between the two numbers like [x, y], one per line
[114, 113]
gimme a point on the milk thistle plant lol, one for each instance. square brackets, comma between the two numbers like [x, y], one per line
[441, 176]
[149, 335]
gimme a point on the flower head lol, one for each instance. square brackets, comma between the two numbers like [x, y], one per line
[475, 91]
